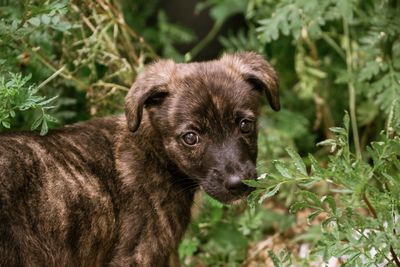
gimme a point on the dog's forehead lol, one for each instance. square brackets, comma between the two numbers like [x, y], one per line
[211, 79]
[213, 71]
[211, 93]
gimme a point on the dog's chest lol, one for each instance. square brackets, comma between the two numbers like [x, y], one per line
[154, 219]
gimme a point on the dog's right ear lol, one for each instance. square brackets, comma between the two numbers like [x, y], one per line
[150, 87]
[258, 72]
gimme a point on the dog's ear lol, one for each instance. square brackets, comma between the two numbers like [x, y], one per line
[150, 87]
[258, 72]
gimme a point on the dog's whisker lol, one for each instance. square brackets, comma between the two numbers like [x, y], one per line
[186, 189]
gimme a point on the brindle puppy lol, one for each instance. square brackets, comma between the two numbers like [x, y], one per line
[118, 191]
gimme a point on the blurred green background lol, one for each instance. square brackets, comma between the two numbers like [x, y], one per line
[67, 61]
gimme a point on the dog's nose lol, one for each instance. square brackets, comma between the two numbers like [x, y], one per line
[234, 183]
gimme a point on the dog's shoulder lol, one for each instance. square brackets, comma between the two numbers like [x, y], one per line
[108, 127]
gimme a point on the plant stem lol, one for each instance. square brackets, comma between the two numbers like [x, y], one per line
[55, 74]
[352, 91]
[113, 85]
[334, 45]
[374, 214]
[65, 75]
[321, 105]
[203, 43]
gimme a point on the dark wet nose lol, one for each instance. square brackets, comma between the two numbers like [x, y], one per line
[234, 184]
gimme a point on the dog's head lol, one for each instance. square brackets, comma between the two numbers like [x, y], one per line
[206, 116]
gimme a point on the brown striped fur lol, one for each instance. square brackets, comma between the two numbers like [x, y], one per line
[118, 191]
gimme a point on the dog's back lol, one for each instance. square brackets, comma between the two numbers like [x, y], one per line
[60, 184]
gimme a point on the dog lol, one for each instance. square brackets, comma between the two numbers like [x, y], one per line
[118, 191]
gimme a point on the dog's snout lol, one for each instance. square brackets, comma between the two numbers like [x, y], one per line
[234, 183]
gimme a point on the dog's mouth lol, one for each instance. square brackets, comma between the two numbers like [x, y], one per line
[228, 188]
[225, 196]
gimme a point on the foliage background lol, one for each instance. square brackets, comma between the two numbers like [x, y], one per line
[66, 61]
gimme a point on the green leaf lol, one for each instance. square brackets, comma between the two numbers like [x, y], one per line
[226, 8]
[298, 162]
[44, 129]
[55, 19]
[311, 197]
[369, 71]
[353, 257]
[312, 216]
[316, 72]
[367, 112]
[269, 193]
[326, 222]
[331, 203]
[37, 123]
[274, 258]
[346, 122]
[316, 169]
[50, 118]
[298, 206]
[285, 256]
[6, 124]
[283, 170]
[35, 21]
[47, 101]
[188, 247]
[253, 183]
[45, 19]
[329, 142]
[252, 198]
[338, 130]
[346, 9]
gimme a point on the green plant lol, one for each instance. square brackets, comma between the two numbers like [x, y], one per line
[221, 234]
[92, 46]
[17, 96]
[361, 205]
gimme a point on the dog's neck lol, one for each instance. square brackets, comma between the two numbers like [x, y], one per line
[153, 188]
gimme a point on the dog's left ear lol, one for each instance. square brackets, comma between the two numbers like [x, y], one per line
[150, 87]
[258, 72]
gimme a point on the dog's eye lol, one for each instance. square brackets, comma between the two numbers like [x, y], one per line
[246, 126]
[190, 139]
